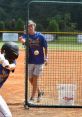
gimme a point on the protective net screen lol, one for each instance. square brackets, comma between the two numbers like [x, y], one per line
[60, 81]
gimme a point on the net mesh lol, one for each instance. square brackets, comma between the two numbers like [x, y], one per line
[61, 78]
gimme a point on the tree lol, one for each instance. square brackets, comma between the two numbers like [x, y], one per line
[20, 24]
[53, 26]
[2, 25]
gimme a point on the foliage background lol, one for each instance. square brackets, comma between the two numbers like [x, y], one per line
[13, 15]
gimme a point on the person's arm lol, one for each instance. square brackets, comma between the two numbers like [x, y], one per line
[21, 39]
[46, 53]
[9, 66]
[45, 45]
[45, 56]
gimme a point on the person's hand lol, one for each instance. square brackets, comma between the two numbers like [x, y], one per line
[5, 64]
[46, 60]
[2, 58]
[12, 66]
[21, 40]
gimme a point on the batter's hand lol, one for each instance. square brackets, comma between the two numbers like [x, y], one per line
[2, 58]
[5, 63]
[12, 67]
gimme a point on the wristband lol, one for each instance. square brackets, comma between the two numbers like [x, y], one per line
[46, 58]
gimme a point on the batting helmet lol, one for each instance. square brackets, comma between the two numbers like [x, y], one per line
[11, 50]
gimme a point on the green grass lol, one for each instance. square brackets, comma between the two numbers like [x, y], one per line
[65, 40]
[65, 47]
[1, 43]
[65, 43]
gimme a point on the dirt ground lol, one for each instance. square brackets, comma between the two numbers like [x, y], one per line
[19, 111]
[13, 93]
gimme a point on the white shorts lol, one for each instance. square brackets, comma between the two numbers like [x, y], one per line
[34, 69]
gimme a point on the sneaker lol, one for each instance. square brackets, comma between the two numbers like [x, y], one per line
[31, 101]
[40, 94]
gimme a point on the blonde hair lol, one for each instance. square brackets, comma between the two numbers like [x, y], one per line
[30, 22]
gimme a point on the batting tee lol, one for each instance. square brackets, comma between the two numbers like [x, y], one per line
[61, 80]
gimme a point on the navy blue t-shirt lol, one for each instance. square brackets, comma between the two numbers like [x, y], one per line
[4, 73]
[36, 42]
[24, 36]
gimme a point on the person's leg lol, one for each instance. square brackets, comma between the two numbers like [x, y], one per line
[35, 81]
[36, 89]
[31, 81]
[35, 86]
[30, 73]
[4, 110]
[30, 76]
[34, 72]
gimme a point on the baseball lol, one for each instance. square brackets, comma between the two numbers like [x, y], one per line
[36, 52]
